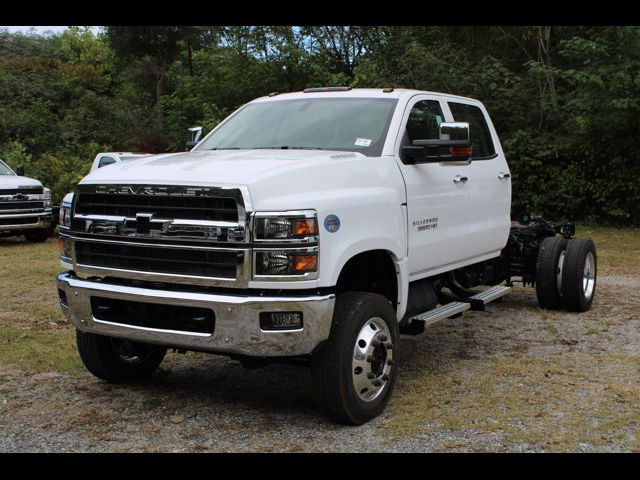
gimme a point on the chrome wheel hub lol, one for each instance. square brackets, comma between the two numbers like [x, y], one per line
[372, 359]
[559, 274]
[589, 276]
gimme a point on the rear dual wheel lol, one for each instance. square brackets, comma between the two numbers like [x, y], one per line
[566, 272]
[579, 273]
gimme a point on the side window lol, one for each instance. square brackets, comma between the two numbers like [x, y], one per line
[424, 121]
[478, 128]
[104, 161]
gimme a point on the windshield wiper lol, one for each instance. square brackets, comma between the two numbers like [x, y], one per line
[224, 148]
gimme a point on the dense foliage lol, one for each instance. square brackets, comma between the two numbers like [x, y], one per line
[565, 100]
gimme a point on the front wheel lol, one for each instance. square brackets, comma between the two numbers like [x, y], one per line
[37, 235]
[355, 372]
[117, 360]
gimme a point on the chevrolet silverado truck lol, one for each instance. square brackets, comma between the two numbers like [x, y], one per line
[310, 227]
[25, 206]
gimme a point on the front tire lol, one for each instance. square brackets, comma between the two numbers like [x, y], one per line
[579, 275]
[37, 235]
[355, 372]
[117, 360]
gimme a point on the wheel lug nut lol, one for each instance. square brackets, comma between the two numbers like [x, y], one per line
[383, 338]
[375, 344]
[369, 359]
[385, 377]
[389, 362]
[389, 345]
[371, 375]
[377, 383]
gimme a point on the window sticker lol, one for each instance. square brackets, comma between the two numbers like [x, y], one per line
[362, 142]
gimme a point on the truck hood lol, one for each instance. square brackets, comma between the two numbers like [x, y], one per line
[275, 179]
[234, 167]
[14, 181]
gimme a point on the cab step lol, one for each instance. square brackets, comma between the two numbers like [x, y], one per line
[440, 313]
[479, 300]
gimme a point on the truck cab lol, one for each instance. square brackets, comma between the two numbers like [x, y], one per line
[315, 226]
[25, 206]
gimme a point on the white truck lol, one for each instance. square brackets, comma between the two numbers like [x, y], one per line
[25, 206]
[103, 159]
[312, 227]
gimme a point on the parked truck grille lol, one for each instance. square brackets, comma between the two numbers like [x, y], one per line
[21, 205]
[162, 206]
[192, 262]
[24, 191]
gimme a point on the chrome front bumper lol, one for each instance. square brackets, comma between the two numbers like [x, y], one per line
[237, 326]
[41, 220]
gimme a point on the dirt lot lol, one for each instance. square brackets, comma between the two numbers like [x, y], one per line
[516, 378]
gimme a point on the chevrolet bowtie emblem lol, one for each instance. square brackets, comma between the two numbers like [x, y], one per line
[143, 223]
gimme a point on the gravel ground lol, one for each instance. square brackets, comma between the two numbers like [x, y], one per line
[515, 378]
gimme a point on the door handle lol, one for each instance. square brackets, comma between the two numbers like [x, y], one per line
[459, 179]
[503, 176]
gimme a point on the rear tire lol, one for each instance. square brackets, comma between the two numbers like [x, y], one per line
[37, 235]
[548, 268]
[579, 275]
[118, 360]
[355, 372]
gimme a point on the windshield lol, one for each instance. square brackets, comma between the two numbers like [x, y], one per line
[4, 170]
[351, 124]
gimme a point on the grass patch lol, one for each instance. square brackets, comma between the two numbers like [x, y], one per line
[39, 351]
[553, 402]
[618, 249]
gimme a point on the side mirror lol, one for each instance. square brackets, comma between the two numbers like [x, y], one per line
[196, 133]
[453, 145]
[20, 171]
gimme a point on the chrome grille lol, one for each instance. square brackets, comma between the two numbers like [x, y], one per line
[163, 206]
[12, 206]
[192, 262]
[179, 234]
[22, 190]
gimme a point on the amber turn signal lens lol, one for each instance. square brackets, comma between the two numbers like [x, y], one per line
[305, 263]
[61, 244]
[462, 151]
[307, 226]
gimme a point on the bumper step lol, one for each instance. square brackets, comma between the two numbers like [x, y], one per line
[440, 313]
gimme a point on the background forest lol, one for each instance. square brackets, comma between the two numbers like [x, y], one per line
[565, 100]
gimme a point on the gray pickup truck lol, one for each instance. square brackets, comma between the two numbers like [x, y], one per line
[25, 206]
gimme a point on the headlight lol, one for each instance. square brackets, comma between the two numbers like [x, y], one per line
[46, 196]
[301, 226]
[64, 215]
[286, 262]
[292, 253]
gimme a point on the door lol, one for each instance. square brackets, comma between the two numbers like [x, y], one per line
[436, 195]
[489, 183]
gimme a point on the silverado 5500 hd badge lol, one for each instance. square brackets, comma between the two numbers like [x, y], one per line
[426, 224]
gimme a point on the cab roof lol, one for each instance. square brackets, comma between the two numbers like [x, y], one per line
[346, 92]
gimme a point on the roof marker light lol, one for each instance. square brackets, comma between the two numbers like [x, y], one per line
[327, 89]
